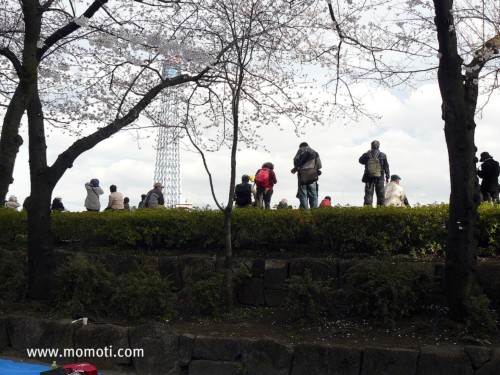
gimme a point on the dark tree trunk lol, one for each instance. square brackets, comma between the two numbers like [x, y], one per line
[40, 240]
[459, 94]
[10, 140]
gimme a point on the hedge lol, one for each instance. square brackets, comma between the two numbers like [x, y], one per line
[337, 230]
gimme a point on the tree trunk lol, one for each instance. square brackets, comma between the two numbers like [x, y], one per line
[10, 140]
[458, 110]
[40, 240]
[229, 258]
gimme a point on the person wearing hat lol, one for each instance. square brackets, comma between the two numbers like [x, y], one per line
[395, 194]
[57, 204]
[154, 197]
[283, 204]
[243, 192]
[489, 171]
[92, 202]
[12, 203]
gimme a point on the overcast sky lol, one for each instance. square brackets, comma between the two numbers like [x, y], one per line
[410, 133]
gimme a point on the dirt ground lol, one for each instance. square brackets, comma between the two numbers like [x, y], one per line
[428, 328]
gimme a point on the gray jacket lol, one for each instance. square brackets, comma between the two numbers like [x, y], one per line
[306, 157]
[92, 200]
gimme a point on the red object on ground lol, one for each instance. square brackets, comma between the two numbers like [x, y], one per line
[87, 368]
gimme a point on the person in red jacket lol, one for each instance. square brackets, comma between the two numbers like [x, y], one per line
[327, 202]
[265, 179]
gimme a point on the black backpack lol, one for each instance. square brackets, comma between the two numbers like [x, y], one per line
[243, 194]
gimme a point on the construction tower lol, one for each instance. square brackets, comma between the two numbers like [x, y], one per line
[168, 164]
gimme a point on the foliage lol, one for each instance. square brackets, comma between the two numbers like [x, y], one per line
[419, 231]
[14, 226]
[209, 293]
[13, 280]
[307, 299]
[387, 291]
[479, 313]
[83, 286]
[143, 294]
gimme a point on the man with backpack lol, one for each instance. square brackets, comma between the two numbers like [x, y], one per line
[376, 171]
[308, 164]
[265, 179]
[243, 192]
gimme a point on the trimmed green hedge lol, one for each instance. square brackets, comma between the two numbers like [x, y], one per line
[338, 230]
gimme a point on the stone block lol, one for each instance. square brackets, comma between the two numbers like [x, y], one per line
[385, 361]
[478, 355]
[266, 357]
[216, 348]
[4, 336]
[169, 268]
[276, 273]
[32, 333]
[252, 292]
[491, 367]
[488, 275]
[204, 367]
[194, 267]
[160, 346]
[119, 264]
[314, 359]
[186, 344]
[321, 269]
[93, 339]
[443, 361]
[274, 298]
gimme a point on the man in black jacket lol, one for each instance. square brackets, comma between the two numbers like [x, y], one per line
[243, 192]
[489, 171]
[375, 183]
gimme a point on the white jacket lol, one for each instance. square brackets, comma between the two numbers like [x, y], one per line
[92, 200]
[394, 194]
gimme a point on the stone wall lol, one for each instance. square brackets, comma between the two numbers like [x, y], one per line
[166, 353]
[267, 286]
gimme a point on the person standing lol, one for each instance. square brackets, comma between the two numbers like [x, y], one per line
[395, 194]
[154, 197]
[115, 199]
[376, 171]
[92, 202]
[265, 179]
[308, 164]
[243, 192]
[489, 172]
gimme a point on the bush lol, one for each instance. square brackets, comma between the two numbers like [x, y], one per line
[209, 293]
[13, 280]
[387, 291]
[83, 286]
[144, 293]
[307, 299]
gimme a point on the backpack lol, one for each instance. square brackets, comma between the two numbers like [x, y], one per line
[262, 178]
[373, 166]
[243, 194]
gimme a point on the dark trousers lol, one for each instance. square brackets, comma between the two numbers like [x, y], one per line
[377, 185]
[490, 196]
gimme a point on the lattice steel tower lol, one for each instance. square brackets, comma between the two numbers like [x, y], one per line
[168, 165]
